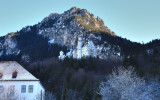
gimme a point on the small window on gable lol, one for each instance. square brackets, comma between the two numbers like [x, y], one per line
[14, 74]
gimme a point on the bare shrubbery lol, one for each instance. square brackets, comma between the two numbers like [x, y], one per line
[45, 96]
[125, 84]
[9, 93]
[49, 96]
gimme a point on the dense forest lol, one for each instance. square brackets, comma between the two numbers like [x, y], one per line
[72, 79]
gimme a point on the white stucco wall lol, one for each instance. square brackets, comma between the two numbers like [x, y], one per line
[37, 88]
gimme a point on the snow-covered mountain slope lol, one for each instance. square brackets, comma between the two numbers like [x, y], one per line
[60, 32]
[64, 28]
[9, 45]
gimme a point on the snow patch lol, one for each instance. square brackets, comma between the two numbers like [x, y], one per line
[10, 43]
[51, 41]
[25, 58]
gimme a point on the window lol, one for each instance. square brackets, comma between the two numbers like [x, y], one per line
[30, 89]
[14, 74]
[23, 89]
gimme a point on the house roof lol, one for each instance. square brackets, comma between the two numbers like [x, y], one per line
[7, 68]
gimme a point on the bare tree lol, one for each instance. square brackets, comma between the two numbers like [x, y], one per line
[45, 96]
[124, 84]
[8, 92]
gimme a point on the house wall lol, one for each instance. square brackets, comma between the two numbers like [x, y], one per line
[37, 88]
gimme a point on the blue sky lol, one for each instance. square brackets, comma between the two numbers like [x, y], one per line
[136, 20]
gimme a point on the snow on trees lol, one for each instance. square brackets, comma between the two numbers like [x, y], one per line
[125, 84]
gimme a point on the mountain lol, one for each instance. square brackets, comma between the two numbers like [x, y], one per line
[60, 32]
[76, 32]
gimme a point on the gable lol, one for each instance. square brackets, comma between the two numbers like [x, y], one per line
[10, 68]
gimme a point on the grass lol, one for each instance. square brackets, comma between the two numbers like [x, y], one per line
[12, 34]
[91, 26]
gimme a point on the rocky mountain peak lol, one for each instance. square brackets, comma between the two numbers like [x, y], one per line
[76, 17]
[10, 35]
[52, 15]
[60, 32]
[73, 9]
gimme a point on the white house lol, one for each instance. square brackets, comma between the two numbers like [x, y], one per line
[22, 83]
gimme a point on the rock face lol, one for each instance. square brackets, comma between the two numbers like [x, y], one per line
[9, 45]
[63, 30]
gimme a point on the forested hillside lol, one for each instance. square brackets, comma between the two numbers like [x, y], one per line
[37, 48]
